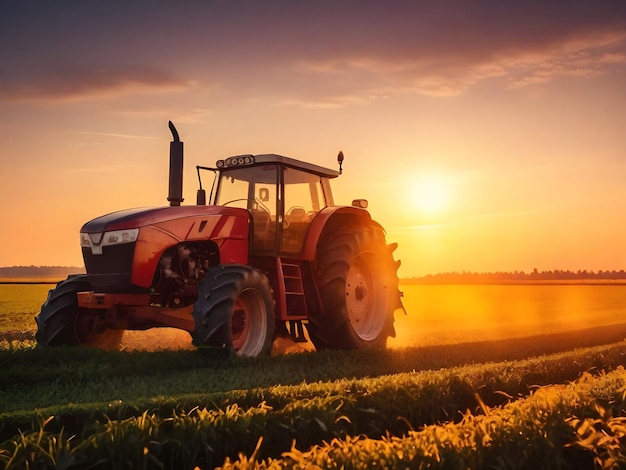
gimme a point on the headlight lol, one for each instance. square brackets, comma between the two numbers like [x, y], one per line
[118, 237]
[85, 241]
[96, 241]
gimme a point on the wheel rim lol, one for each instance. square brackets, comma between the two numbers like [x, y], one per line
[365, 299]
[249, 323]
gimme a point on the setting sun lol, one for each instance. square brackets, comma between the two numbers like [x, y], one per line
[430, 193]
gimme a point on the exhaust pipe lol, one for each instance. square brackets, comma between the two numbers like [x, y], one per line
[176, 169]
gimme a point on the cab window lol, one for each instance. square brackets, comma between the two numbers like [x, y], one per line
[302, 200]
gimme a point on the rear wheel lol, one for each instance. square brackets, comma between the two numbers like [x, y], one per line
[358, 286]
[234, 313]
[62, 323]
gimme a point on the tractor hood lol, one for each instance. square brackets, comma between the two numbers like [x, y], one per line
[122, 250]
[141, 217]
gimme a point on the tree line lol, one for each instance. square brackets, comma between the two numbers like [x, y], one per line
[535, 275]
[449, 277]
[39, 271]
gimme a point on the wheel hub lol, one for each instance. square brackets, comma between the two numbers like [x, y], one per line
[248, 323]
[364, 299]
[358, 298]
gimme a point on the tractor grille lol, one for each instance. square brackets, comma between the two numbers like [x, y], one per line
[111, 271]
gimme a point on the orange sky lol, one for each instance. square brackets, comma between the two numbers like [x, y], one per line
[486, 136]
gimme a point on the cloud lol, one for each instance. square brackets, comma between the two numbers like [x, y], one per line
[575, 58]
[94, 169]
[319, 54]
[178, 113]
[79, 82]
[444, 49]
[451, 74]
[111, 134]
[313, 102]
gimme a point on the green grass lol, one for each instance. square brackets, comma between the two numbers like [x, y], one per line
[492, 404]
[566, 426]
[19, 303]
[84, 375]
[126, 400]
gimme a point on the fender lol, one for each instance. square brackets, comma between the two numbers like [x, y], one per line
[331, 218]
[228, 231]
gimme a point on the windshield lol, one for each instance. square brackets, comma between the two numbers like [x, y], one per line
[280, 219]
[247, 187]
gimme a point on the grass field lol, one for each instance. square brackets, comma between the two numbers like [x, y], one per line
[555, 400]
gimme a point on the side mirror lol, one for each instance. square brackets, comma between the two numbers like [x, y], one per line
[360, 203]
[264, 194]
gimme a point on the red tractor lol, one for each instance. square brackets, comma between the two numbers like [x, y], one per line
[270, 254]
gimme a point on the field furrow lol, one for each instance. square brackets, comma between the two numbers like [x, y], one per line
[558, 426]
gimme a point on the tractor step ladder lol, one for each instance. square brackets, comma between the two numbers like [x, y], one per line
[291, 295]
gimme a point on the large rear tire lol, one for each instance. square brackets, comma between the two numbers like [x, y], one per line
[358, 287]
[62, 323]
[234, 313]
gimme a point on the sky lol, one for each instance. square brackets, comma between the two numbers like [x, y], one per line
[486, 135]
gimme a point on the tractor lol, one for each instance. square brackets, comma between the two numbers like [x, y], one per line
[270, 255]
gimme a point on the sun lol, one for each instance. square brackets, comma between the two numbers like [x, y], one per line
[430, 193]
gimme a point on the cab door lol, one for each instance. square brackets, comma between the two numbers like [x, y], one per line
[303, 198]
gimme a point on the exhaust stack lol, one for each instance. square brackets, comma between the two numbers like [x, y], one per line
[176, 169]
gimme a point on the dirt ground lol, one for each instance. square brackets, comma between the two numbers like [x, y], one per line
[172, 338]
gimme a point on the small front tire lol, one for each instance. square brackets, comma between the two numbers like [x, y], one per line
[234, 313]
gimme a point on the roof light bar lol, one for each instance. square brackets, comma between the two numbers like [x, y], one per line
[238, 160]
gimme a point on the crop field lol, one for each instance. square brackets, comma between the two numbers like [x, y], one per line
[550, 400]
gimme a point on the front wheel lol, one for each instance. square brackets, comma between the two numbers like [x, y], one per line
[234, 313]
[358, 286]
[62, 323]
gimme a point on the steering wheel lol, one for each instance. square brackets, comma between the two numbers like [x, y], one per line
[254, 201]
[289, 213]
[293, 208]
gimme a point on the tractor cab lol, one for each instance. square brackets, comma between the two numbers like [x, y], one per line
[282, 194]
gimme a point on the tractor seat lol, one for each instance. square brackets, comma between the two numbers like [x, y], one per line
[297, 214]
[295, 229]
[263, 229]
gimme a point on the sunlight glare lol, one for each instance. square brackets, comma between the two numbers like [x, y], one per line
[430, 193]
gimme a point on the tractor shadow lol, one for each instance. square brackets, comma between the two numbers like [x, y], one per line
[156, 339]
[432, 356]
